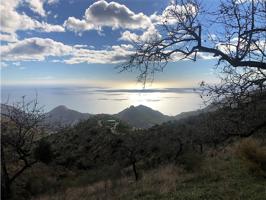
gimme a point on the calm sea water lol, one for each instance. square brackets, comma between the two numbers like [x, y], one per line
[170, 101]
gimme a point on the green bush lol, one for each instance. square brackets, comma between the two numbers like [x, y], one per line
[253, 154]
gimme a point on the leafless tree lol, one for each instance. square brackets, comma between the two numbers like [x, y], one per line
[233, 33]
[238, 36]
[20, 124]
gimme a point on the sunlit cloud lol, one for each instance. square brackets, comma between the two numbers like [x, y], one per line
[12, 21]
[103, 14]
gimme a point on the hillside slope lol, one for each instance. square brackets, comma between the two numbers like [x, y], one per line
[142, 116]
[65, 116]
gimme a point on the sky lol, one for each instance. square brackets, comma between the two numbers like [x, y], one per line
[66, 44]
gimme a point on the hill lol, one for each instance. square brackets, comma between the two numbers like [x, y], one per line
[142, 116]
[195, 147]
[184, 115]
[61, 115]
[137, 116]
[190, 158]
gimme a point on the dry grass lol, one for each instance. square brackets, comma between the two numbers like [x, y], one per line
[222, 176]
[253, 154]
[162, 180]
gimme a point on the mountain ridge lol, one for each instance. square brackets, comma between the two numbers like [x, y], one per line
[139, 116]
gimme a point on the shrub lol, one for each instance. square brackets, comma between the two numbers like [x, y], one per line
[43, 152]
[191, 161]
[39, 185]
[253, 154]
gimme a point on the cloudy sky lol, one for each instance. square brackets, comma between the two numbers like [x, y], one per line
[79, 42]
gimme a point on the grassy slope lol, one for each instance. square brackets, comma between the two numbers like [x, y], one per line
[222, 176]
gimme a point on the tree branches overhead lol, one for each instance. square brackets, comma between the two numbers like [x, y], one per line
[234, 33]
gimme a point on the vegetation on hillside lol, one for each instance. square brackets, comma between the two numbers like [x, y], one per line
[201, 156]
[214, 155]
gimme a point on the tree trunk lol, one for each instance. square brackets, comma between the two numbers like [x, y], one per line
[135, 170]
[201, 148]
[5, 182]
[5, 188]
[180, 149]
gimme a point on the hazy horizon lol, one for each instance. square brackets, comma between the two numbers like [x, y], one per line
[72, 45]
[96, 100]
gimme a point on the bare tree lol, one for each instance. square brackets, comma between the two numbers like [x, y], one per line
[234, 33]
[238, 37]
[20, 124]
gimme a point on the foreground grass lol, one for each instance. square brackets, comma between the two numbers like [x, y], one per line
[221, 176]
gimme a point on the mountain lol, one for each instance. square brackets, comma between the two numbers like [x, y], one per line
[142, 116]
[61, 115]
[138, 116]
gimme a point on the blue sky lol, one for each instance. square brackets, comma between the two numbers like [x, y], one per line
[77, 44]
[81, 42]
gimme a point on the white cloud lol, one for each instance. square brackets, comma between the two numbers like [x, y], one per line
[205, 56]
[256, 48]
[116, 54]
[16, 63]
[39, 49]
[169, 15]
[103, 14]
[243, 1]
[155, 18]
[3, 64]
[45, 27]
[148, 35]
[7, 37]
[12, 21]
[77, 25]
[81, 46]
[52, 1]
[57, 61]
[34, 49]
[37, 6]
[179, 56]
